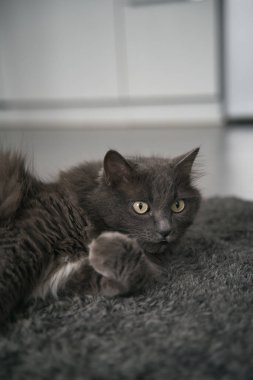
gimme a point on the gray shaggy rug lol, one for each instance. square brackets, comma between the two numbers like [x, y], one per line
[198, 325]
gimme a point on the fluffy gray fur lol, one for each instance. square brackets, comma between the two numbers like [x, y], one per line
[81, 234]
[195, 326]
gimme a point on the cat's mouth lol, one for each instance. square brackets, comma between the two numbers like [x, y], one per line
[155, 247]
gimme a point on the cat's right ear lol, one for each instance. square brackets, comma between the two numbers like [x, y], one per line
[116, 168]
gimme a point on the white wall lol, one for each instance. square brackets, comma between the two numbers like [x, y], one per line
[108, 62]
[239, 58]
[57, 50]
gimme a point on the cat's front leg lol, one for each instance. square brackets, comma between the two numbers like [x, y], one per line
[121, 262]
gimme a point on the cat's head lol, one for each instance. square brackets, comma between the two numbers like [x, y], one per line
[149, 198]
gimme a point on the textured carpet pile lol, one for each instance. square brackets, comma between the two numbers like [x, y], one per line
[197, 325]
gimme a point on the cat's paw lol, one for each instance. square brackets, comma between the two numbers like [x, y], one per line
[116, 256]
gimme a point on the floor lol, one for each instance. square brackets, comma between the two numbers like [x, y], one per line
[226, 155]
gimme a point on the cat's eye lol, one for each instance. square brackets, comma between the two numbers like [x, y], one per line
[178, 206]
[140, 207]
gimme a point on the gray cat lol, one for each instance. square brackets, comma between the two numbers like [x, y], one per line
[102, 228]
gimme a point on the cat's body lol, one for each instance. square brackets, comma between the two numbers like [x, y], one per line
[102, 228]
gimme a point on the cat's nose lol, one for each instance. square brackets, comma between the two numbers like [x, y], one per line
[165, 233]
[164, 228]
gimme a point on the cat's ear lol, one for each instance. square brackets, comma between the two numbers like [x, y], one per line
[185, 161]
[116, 168]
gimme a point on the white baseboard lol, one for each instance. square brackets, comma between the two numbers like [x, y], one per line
[118, 116]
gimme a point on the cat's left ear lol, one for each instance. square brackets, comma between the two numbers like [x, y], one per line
[185, 161]
[116, 168]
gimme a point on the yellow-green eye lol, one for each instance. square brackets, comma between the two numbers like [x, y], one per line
[140, 207]
[178, 206]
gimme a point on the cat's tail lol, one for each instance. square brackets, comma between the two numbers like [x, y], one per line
[15, 183]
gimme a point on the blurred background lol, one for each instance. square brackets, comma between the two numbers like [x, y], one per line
[142, 76]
